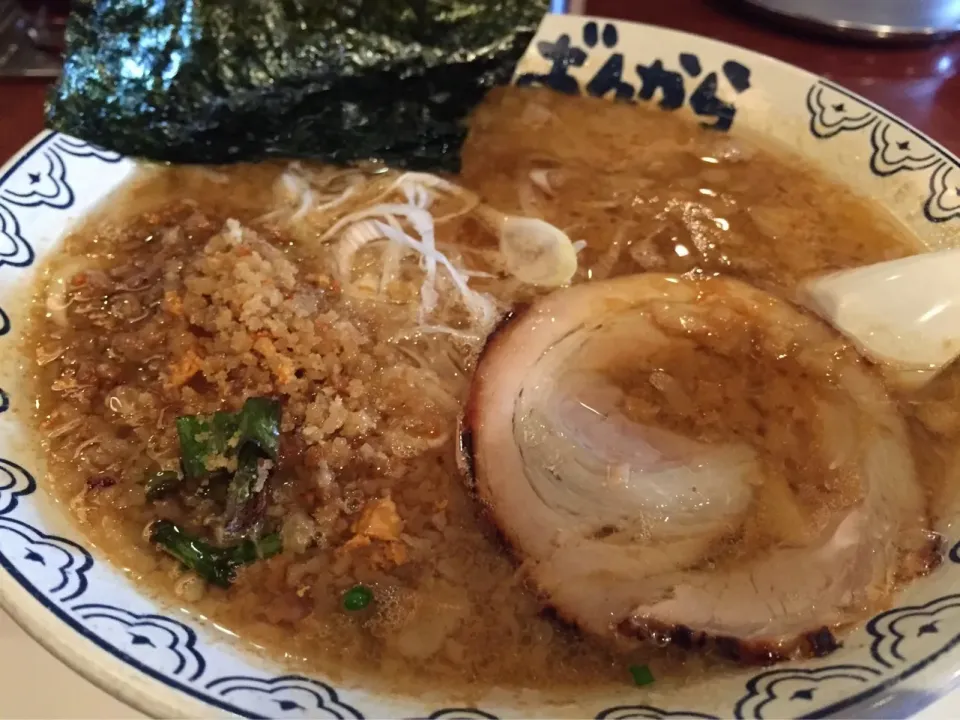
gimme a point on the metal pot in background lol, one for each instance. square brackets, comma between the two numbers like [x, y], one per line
[915, 21]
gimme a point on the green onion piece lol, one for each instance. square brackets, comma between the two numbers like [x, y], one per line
[208, 441]
[161, 483]
[268, 545]
[249, 551]
[201, 557]
[240, 515]
[259, 422]
[215, 565]
[204, 438]
[357, 598]
[239, 442]
[641, 675]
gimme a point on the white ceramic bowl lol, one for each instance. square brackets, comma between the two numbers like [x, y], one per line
[165, 662]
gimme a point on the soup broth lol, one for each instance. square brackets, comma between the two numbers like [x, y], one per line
[198, 288]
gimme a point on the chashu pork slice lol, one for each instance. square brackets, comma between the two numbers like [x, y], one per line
[773, 505]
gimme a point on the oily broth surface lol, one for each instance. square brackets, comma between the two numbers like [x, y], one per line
[668, 196]
[646, 190]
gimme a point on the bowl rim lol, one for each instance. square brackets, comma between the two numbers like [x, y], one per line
[156, 695]
[39, 618]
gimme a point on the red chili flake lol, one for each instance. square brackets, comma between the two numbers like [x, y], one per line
[79, 279]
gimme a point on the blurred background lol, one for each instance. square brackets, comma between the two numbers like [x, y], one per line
[31, 37]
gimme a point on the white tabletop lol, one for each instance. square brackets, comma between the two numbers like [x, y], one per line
[36, 685]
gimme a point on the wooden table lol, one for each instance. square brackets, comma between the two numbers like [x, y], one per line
[918, 84]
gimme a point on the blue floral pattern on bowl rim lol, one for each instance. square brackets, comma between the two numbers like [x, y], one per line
[56, 571]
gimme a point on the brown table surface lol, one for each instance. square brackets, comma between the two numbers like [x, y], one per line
[919, 84]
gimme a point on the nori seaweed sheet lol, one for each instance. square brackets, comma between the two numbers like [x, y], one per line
[215, 81]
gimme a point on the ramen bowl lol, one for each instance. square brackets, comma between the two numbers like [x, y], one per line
[170, 661]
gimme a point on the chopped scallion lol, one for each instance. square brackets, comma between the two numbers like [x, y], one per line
[204, 440]
[207, 439]
[242, 442]
[161, 483]
[641, 675]
[238, 516]
[215, 565]
[259, 424]
[357, 598]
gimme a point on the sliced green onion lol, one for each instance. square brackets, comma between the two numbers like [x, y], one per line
[215, 565]
[357, 598]
[641, 675]
[241, 440]
[207, 438]
[250, 551]
[238, 516]
[161, 483]
[203, 438]
[259, 422]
